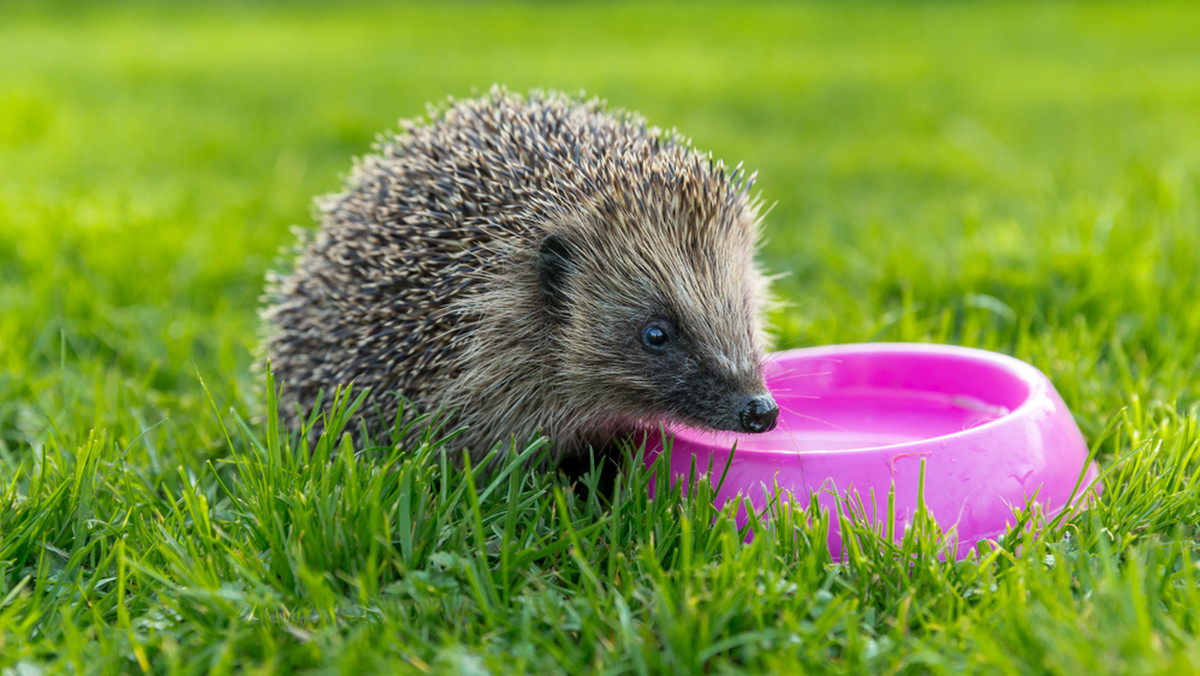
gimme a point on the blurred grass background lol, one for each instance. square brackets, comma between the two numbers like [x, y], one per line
[1018, 176]
[1034, 162]
[155, 156]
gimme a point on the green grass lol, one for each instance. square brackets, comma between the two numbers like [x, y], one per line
[1019, 177]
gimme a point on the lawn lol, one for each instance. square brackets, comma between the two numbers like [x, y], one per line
[1018, 177]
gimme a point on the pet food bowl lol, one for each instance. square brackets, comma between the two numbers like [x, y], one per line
[858, 421]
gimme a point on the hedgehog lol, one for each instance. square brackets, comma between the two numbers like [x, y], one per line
[531, 266]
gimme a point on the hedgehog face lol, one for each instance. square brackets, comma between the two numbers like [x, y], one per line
[652, 332]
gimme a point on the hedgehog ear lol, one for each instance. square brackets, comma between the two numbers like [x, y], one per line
[554, 264]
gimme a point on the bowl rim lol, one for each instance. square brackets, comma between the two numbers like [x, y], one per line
[1035, 381]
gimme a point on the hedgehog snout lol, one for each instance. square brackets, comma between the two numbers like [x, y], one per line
[759, 413]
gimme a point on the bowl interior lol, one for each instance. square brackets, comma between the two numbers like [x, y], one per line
[877, 398]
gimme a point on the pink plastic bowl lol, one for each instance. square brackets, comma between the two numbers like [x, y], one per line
[857, 419]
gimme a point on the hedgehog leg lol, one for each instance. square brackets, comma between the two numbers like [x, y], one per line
[609, 461]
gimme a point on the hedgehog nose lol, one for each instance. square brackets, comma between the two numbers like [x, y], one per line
[759, 413]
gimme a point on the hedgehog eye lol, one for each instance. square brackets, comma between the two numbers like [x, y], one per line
[655, 337]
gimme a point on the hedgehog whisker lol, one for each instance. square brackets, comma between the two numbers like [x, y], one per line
[789, 393]
[794, 412]
[792, 377]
